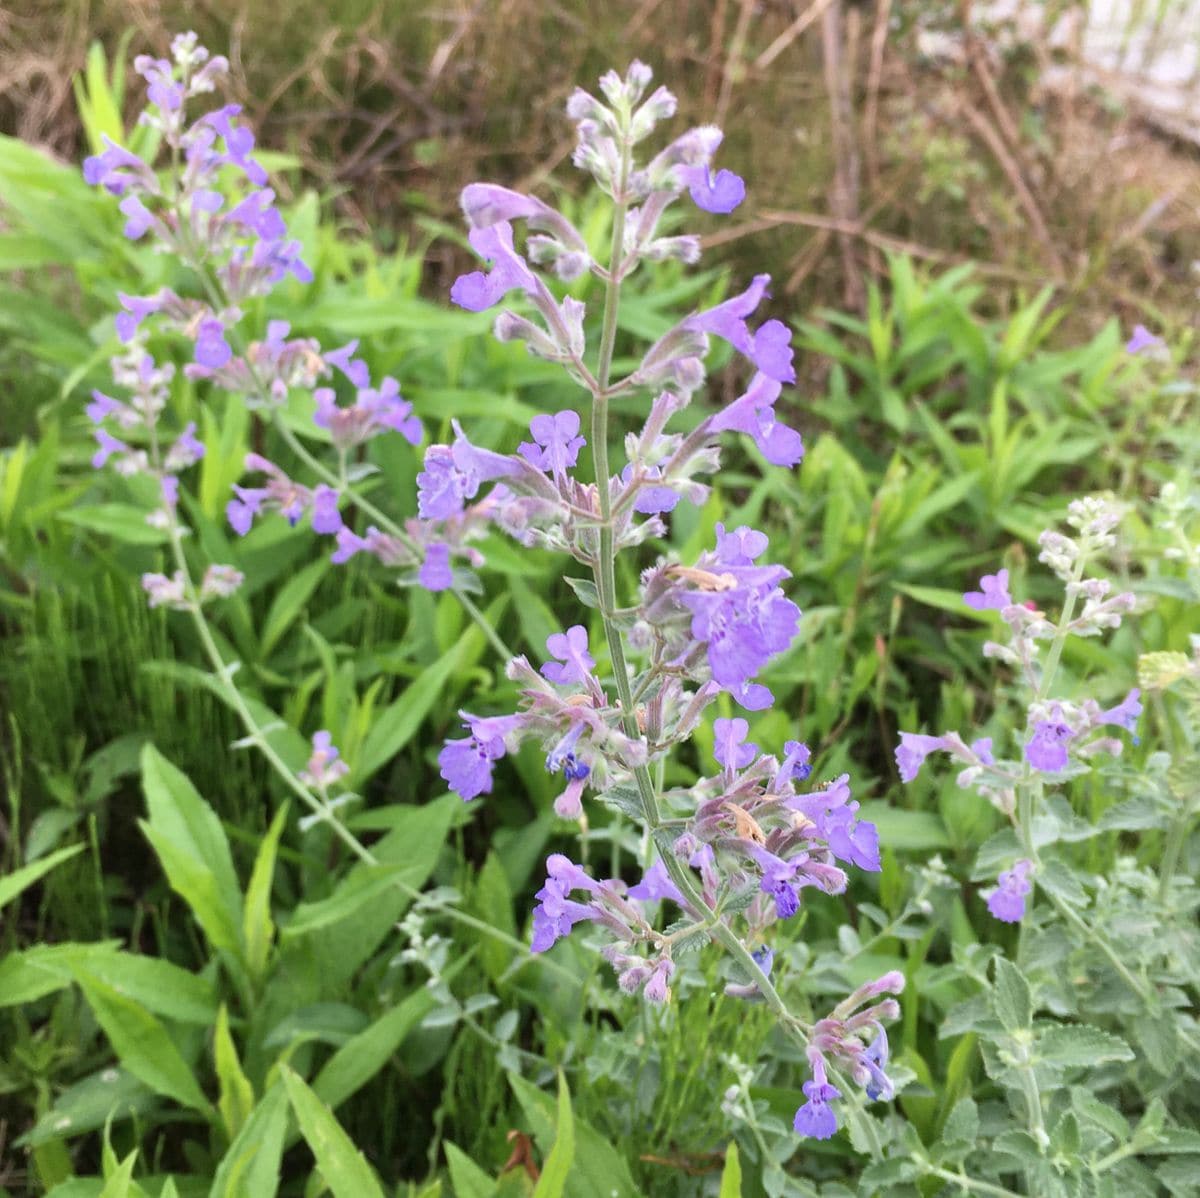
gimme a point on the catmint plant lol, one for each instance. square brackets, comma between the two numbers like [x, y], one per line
[734, 851]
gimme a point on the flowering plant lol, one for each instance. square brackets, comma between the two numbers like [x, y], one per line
[727, 851]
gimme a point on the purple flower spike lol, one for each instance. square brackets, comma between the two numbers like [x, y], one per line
[326, 519]
[1047, 749]
[912, 750]
[574, 663]
[992, 594]
[557, 442]
[212, 350]
[816, 1117]
[1142, 340]
[1007, 901]
[478, 291]
[729, 749]
[720, 193]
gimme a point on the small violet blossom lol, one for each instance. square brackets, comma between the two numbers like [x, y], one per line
[816, 1118]
[993, 593]
[1007, 901]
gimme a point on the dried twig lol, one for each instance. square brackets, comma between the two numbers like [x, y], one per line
[791, 33]
[879, 34]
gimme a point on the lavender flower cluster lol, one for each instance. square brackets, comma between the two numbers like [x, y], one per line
[736, 850]
[1060, 735]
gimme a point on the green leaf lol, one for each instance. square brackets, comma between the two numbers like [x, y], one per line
[353, 893]
[193, 849]
[1080, 1044]
[493, 901]
[467, 1178]
[962, 1124]
[142, 1044]
[396, 725]
[257, 929]
[236, 1099]
[250, 1169]
[731, 1175]
[556, 1170]
[1011, 999]
[600, 1171]
[343, 1168]
[23, 878]
[121, 521]
[289, 601]
[364, 1055]
[104, 1097]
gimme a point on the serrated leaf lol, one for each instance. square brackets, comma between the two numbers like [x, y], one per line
[962, 1124]
[1071, 1044]
[1011, 997]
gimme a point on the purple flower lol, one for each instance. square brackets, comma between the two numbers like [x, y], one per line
[856, 841]
[912, 750]
[874, 1060]
[754, 414]
[325, 765]
[744, 621]
[137, 308]
[477, 291]
[109, 445]
[435, 573]
[355, 369]
[1142, 340]
[764, 958]
[571, 649]
[239, 141]
[102, 406]
[241, 511]
[1047, 749]
[1007, 901]
[138, 218]
[769, 349]
[325, 516]
[721, 193]
[816, 1117]
[562, 756]
[795, 765]
[556, 913]
[993, 593]
[655, 885]
[212, 350]
[1126, 713]
[557, 442]
[728, 748]
[466, 765]
[186, 451]
[115, 168]
[657, 989]
[777, 876]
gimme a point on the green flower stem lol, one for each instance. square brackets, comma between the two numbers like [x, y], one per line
[970, 1183]
[604, 574]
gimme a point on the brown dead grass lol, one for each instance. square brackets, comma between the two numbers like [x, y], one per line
[399, 103]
